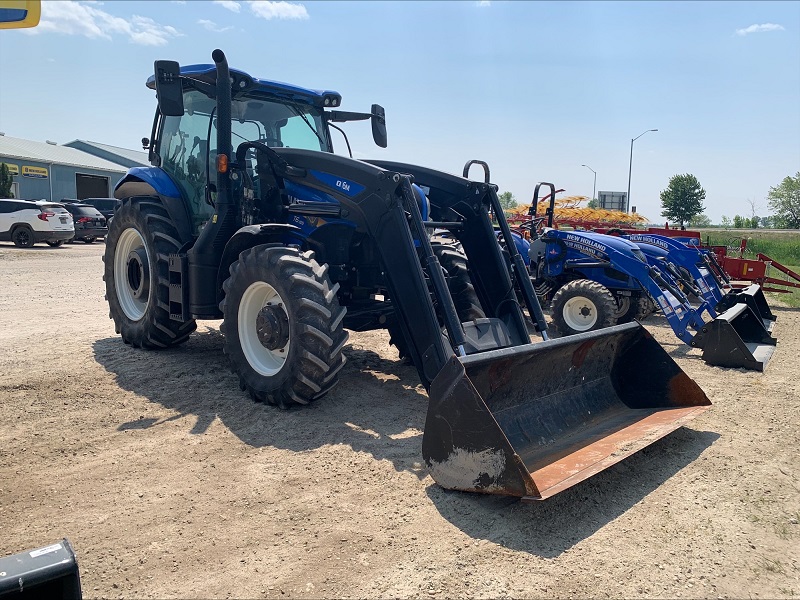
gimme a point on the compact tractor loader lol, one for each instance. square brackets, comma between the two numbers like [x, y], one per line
[590, 279]
[698, 273]
[290, 244]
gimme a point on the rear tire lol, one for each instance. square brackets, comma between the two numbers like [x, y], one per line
[283, 325]
[465, 299]
[645, 308]
[23, 237]
[55, 244]
[137, 275]
[89, 240]
[583, 305]
[627, 308]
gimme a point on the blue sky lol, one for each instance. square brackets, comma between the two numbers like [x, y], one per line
[536, 89]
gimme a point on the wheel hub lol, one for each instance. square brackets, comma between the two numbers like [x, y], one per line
[272, 326]
[138, 274]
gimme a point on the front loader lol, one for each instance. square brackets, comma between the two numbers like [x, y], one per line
[587, 274]
[695, 270]
[291, 245]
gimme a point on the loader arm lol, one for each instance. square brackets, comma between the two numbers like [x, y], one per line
[463, 206]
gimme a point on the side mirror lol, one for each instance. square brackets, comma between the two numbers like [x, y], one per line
[379, 125]
[168, 88]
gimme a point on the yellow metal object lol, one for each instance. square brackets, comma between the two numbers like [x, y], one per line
[19, 14]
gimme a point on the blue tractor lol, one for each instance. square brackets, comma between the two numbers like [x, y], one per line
[247, 215]
[594, 281]
[701, 277]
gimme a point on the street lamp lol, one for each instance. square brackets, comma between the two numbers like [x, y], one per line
[594, 187]
[628, 197]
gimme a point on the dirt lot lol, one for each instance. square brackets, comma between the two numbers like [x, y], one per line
[170, 482]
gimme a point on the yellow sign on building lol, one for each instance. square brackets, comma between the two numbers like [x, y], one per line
[12, 169]
[37, 172]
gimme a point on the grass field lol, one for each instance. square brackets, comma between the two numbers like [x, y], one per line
[782, 246]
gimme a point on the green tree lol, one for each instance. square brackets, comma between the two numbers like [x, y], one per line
[507, 200]
[5, 182]
[683, 198]
[738, 222]
[700, 221]
[593, 203]
[784, 199]
[726, 221]
[754, 222]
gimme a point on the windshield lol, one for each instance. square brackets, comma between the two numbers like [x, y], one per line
[188, 144]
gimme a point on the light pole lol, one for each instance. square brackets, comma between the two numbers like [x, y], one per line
[630, 165]
[594, 187]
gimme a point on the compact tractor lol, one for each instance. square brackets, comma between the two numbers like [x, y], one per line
[593, 280]
[247, 215]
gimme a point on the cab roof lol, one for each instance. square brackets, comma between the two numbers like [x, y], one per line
[207, 73]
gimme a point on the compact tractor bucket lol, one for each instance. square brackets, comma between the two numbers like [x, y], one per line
[533, 420]
[737, 338]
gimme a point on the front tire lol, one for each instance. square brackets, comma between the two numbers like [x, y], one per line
[583, 305]
[283, 325]
[137, 275]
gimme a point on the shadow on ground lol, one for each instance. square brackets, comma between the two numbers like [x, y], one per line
[551, 527]
[377, 407]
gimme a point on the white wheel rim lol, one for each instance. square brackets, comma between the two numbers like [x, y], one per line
[129, 241]
[263, 360]
[580, 313]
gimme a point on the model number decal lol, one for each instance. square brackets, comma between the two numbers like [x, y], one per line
[341, 185]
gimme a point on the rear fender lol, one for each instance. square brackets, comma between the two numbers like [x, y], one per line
[131, 185]
[255, 235]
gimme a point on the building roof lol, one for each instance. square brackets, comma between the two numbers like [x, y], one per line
[132, 155]
[19, 149]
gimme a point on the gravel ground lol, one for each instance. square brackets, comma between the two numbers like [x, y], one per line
[171, 483]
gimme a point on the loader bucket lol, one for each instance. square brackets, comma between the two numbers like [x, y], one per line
[753, 296]
[737, 339]
[534, 420]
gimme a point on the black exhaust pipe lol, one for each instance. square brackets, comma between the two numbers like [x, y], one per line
[206, 254]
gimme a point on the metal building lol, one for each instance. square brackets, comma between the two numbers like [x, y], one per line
[120, 156]
[45, 170]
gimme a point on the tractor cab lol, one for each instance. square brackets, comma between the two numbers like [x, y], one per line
[277, 115]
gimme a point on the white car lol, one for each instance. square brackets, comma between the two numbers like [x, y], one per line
[26, 223]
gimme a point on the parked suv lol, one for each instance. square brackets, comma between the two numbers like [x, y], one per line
[90, 224]
[106, 206]
[26, 223]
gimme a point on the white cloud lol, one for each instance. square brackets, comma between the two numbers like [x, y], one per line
[278, 10]
[483, 3]
[229, 4]
[211, 26]
[760, 28]
[80, 18]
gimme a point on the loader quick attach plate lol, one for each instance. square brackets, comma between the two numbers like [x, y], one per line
[534, 420]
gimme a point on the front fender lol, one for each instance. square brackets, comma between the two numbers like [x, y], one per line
[255, 235]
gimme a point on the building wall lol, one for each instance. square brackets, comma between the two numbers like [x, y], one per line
[60, 180]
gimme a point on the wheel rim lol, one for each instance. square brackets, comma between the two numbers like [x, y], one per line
[265, 351]
[131, 274]
[580, 313]
[24, 237]
[623, 306]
